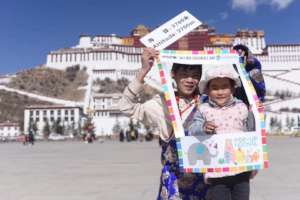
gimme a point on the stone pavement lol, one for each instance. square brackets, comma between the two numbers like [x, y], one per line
[125, 171]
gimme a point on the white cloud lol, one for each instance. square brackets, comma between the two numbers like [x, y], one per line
[251, 5]
[246, 5]
[224, 15]
[281, 4]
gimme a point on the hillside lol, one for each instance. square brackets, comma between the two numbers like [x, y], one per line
[12, 106]
[108, 86]
[52, 83]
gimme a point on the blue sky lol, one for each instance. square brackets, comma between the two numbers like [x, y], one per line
[32, 28]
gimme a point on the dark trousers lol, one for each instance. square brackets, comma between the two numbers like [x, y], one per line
[230, 188]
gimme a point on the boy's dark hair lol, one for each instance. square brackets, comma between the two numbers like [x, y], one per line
[177, 66]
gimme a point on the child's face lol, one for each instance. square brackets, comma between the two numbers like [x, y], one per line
[220, 90]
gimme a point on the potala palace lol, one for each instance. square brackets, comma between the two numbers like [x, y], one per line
[120, 57]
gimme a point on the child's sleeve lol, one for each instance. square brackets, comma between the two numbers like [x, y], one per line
[196, 127]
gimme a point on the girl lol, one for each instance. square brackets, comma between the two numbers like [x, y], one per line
[223, 114]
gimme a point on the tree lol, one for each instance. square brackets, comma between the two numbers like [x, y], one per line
[292, 122]
[57, 128]
[34, 128]
[88, 126]
[46, 129]
[272, 122]
[116, 128]
[288, 122]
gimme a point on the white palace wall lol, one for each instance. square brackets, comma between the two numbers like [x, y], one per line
[105, 56]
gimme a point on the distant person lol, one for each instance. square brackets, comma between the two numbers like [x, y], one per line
[136, 134]
[24, 139]
[253, 68]
[31, 138]
[128, 137]
[223, 114]
[121, 135]
[89, 138]
[174, 184]
[149, 135]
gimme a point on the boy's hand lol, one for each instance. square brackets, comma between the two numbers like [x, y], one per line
[148, 57]
[210, 127]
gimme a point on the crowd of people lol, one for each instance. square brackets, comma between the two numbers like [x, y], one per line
[201, 111]
[136, 133]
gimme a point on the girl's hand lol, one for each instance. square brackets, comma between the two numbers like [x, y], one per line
[148, 57]
[210, 127]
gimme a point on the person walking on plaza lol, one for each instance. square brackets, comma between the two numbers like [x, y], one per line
[121, 135]
[31, 138]
[223, 114]
[174, 184]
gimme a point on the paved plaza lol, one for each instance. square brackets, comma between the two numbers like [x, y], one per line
[125, 171]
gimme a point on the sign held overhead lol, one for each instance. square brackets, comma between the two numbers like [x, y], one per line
[171, 31]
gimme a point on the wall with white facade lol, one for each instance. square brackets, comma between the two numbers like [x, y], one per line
[86, 41]
[281, 57]
[104, 122]
[68, 116]
[283, 122]
[275, 57]
[9, 130]
[106, 113]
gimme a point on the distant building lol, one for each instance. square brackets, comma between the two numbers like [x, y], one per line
[195, 40]
[120, 57]
[67, 116]
[106, 113]
[9, 130]
[221, 39]
[255, 40]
